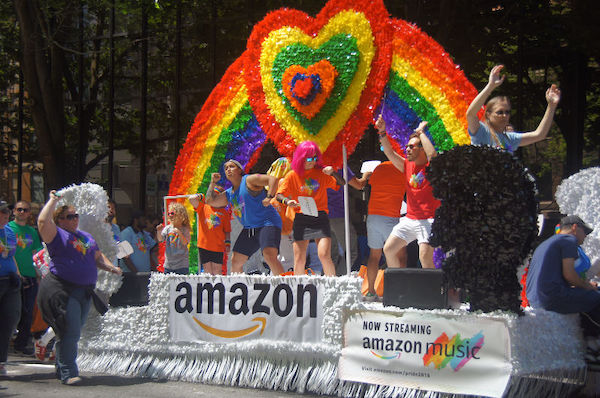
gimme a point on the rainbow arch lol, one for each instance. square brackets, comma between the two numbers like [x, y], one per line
[420, 82]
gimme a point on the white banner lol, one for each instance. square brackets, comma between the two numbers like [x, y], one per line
[426, 351]
[228, 309]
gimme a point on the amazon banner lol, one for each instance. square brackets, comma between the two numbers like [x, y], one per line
[425, 351]
[226, 309]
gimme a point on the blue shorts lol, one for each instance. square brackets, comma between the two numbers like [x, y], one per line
[251, 239]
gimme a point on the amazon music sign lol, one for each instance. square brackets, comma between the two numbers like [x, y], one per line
[236, 308]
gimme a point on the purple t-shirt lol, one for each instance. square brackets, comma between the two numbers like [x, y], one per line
[73, 257]
[335, 199]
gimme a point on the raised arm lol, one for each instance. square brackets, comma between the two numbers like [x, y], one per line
[212, 198]
[259, 181]
[396, 159]
[46, 226]
[494, 81]
[553, 98]
[427, 145]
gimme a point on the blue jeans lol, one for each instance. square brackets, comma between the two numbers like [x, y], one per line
[78, 307]
[29, 289]
[10, 312]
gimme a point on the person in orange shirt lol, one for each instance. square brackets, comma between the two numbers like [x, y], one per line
[388, 187]
[214, 228]
[309, 178]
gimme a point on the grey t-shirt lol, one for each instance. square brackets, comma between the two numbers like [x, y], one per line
[176, 253]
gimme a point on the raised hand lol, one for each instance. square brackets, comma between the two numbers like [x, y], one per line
[495, 79]
[328, 170]
[380, 124]
[553, 95]
[215, 177]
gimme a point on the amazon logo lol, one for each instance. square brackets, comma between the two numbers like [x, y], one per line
[234, 334]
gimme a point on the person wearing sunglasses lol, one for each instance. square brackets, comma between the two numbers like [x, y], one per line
[66, 292]
[309, 178]
[28, 243]
[176, 235]
[420, 202]
[10, 285]
[250, 203]
[494, 130]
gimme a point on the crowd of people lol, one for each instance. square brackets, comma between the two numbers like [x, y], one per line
[292, 212]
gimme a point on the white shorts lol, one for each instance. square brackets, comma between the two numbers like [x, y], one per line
[378, 229]
[409, 230]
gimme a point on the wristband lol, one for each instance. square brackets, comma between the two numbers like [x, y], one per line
[381, 134]
[227, 242]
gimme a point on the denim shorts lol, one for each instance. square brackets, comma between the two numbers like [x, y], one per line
[378, 229]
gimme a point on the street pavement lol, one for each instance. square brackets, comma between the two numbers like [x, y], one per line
[28, 377]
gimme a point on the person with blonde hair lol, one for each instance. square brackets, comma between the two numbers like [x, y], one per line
[494, 130]
[176, 235]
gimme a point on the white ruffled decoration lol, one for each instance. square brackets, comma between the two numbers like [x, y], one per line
[91, 202]
[580, 195]
[135, 341]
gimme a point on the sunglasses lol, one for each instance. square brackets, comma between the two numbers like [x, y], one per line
[313, 159]
[70, 217]
[500, 113]
[22, 210]
[171, 213]
[413, 146]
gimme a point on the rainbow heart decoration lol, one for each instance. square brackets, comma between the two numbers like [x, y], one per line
[319, 78]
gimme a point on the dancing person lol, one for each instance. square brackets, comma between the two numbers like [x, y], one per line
[141, 242]
[251, 205]
[28, 243]
[176, 235]
[10, 284]
[65, 293]
[309, 178]
[552, 279]
[388, 186]
[214, 234]
[420, 202]
[494, 130]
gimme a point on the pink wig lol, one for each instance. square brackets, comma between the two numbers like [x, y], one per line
[306, 149]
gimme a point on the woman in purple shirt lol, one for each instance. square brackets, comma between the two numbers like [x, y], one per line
[65, 293]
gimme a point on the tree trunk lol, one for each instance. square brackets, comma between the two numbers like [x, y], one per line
[42, 62]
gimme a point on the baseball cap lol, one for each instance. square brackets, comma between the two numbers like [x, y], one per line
[572, 219]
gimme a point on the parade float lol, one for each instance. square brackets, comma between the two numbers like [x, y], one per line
[326, 78]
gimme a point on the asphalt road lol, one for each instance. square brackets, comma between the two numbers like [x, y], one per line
[28, 377]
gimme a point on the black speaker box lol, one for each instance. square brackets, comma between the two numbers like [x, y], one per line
[415, 287]
[133, 291]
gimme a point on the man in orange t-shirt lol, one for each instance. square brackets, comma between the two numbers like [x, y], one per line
[388, 186]
[213, 238]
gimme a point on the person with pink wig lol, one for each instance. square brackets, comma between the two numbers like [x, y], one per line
[309, 178]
